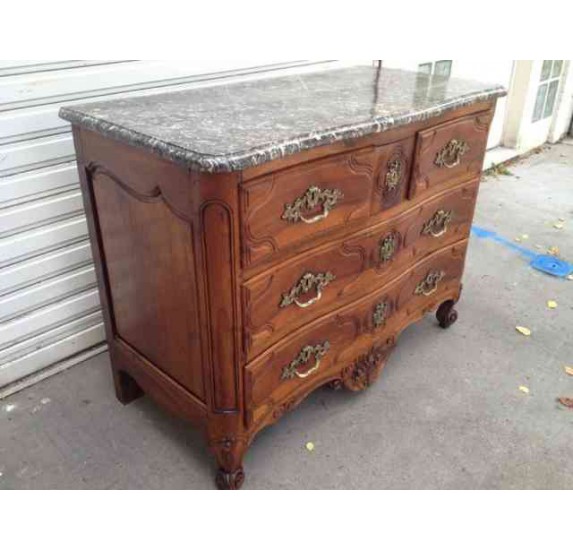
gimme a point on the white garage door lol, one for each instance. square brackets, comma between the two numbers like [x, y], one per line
[49, 308]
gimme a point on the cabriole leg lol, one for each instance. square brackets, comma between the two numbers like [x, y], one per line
[229, 454]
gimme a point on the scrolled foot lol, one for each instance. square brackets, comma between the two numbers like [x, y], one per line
[446, 314]
[230, 480]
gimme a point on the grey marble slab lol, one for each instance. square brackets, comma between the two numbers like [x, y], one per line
[230, 127]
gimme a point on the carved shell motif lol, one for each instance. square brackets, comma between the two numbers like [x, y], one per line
[364, 371]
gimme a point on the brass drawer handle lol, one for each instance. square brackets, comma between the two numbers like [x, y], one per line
[305, 284]
[450, 155]
[290, 371]
[430, 283]
[313, 198]
[437, 225]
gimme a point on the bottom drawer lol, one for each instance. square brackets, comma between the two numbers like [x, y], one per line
[318, 353]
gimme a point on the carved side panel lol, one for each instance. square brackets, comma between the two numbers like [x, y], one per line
[150, 267]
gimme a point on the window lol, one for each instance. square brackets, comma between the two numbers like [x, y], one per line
[547, 91]
[436, 68]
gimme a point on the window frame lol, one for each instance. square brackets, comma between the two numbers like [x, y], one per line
[547, 89]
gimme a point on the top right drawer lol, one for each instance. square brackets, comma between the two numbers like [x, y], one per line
[450, 152]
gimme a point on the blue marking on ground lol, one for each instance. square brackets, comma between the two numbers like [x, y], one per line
[542, 262]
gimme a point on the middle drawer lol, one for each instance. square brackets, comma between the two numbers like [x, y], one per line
[292, 294]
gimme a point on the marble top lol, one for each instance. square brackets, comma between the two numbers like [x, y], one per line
[230, 127]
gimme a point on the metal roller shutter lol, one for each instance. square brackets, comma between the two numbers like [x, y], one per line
[49, 308]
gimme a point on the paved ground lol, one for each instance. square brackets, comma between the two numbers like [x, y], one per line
[446, 413]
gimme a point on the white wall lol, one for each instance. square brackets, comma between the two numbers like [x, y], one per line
[520, 131]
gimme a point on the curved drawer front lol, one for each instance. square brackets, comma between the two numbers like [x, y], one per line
[316, 354]
[294, 205]
[449, 153]
[309, 286]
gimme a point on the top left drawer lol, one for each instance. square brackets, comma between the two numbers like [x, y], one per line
[290, 207]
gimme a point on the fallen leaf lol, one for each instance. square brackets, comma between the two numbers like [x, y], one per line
[551, 304]
[525, 236]
[568, 370]
[517, 239]
[524, 389]
[561, 219]
[310, 446]
[553, 250]
[539, 247]
[558, 225]
[523, 330]
[566, 401]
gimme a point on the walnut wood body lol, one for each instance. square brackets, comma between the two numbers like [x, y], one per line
[192, 268]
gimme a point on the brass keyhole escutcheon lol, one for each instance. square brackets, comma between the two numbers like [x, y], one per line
[380, 315]
[393, 175]
[387, 247]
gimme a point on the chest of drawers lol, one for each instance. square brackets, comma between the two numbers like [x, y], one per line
[256, 241]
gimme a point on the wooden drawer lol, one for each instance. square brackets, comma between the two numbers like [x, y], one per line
[310, 285]
[449, 153]
[295, 205]
[317, 353]
[292, 207]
